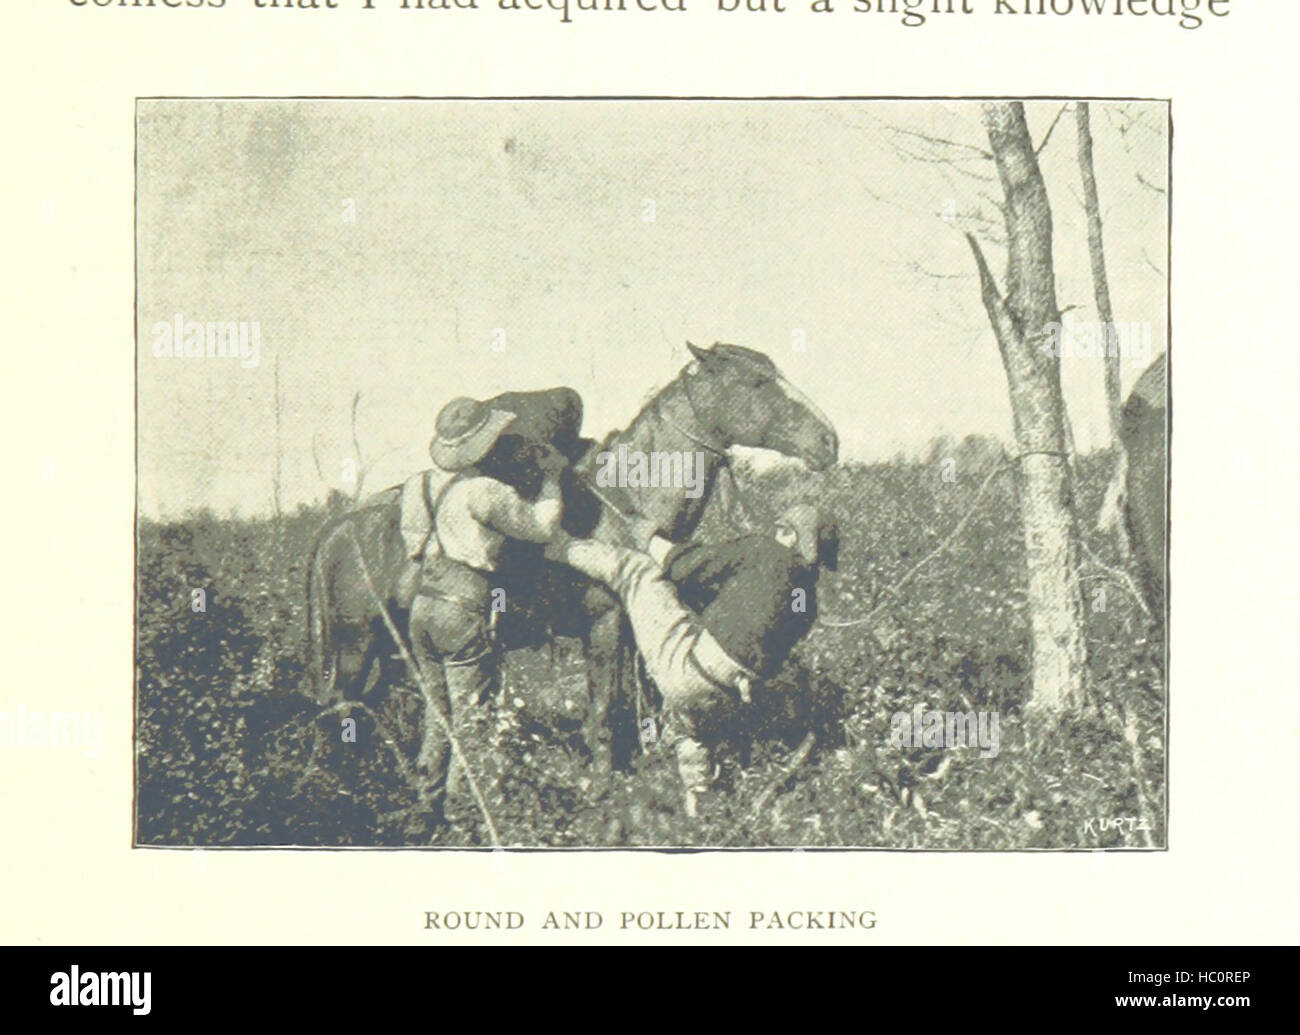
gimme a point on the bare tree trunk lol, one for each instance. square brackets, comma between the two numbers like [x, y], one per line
[1020, 321]
[275, 488]
[1096, 254]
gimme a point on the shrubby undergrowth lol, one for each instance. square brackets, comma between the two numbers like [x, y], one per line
[231, 751]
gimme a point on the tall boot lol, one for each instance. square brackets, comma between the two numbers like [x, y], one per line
[695, 768]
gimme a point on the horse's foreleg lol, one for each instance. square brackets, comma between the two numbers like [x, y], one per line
[392, 667]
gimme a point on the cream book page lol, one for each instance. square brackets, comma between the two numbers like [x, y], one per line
[675, 472]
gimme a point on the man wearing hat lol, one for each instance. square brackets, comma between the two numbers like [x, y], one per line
[712, 620]
[504, 491]
[544, 422]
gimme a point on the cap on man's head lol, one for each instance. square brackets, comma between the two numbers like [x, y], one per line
[816, 537]
[466, 430]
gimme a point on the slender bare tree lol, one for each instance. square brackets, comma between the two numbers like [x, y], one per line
[1020, 320]
[1097, 258]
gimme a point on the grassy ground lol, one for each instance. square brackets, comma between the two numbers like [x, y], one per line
[230, 752]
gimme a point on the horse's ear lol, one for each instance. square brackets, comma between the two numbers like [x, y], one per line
[701, 354]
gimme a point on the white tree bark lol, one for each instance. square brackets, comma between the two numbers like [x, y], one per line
[1020, 321]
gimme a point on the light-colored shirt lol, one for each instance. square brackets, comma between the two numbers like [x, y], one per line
[477, 515]
[419, 494]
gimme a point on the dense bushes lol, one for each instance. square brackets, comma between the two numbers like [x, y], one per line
[231, 752]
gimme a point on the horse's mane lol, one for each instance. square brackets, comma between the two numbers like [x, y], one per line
[649, 401]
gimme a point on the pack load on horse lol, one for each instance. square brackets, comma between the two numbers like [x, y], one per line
[532, 425]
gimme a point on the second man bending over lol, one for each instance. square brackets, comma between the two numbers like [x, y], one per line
[712, 620]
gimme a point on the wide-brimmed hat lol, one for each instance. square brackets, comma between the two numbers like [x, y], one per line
[466, 430]
[816, 536]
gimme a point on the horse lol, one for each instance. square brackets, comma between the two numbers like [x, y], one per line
[1135, 501]
[726, 395]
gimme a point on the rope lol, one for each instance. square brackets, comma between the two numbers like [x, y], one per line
[590, 486]
[659, 412]
[737, 495]
[947, 541]
[1121, 577]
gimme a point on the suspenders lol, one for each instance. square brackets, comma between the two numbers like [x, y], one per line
[432, 501]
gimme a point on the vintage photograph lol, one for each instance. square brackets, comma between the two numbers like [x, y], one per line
[652, 473]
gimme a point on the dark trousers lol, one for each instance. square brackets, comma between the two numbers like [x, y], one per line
[459, 663]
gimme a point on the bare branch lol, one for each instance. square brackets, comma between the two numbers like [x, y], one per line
[315, 457]
[921, 271]
[1148, 184]
[1048, 136]
[356, 446]
[994, 304]
[977, 152]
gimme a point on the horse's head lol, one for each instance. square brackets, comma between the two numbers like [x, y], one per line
[741, 397]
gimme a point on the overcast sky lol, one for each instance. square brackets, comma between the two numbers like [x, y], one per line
[380, 246]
